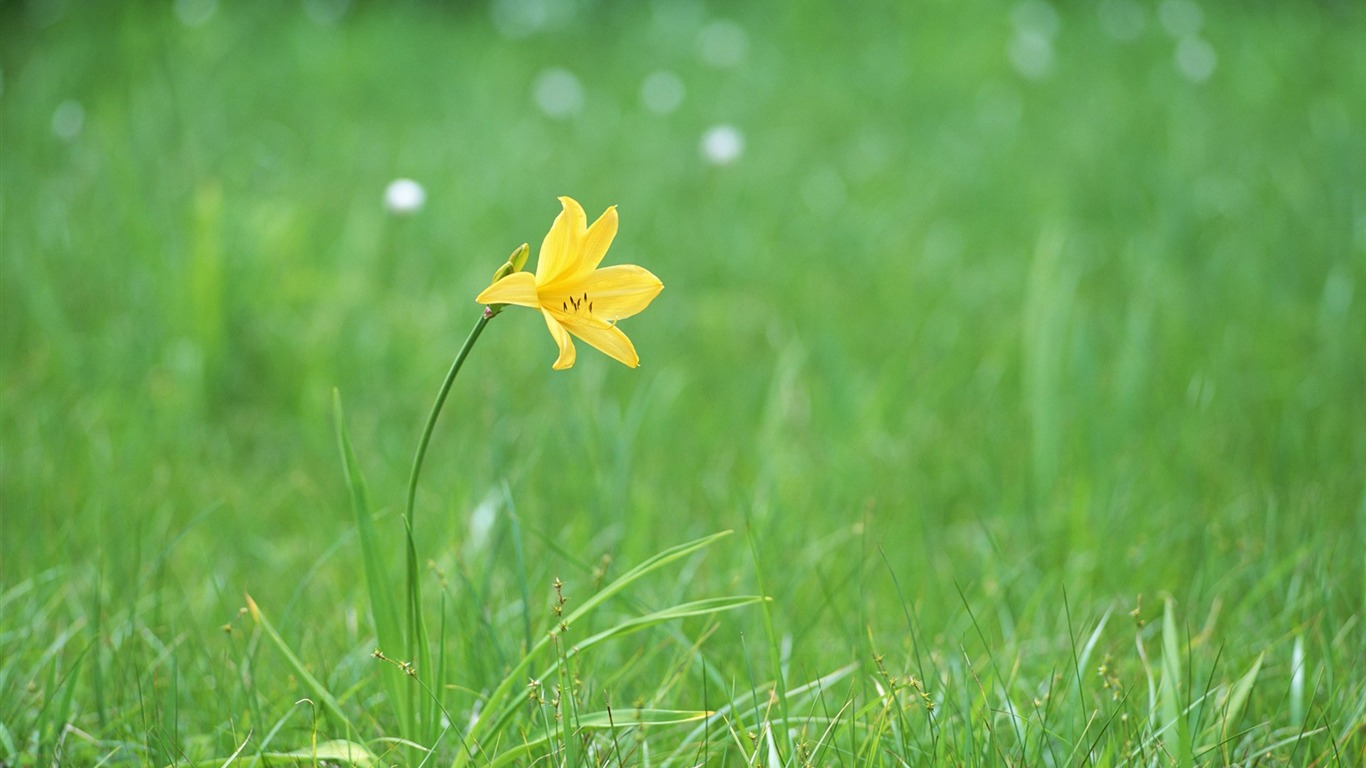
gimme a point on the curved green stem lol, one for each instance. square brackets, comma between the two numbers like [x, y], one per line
[418, 648]
[436, 409]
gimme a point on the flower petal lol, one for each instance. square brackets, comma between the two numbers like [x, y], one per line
[517, 288]
[566, 344]
[598, 239]
[560, 248]
[590, 249]
[620, 291]
[609, 340]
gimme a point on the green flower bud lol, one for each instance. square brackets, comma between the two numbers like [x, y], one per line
[514, 263]
[503, 272]
[519, 257]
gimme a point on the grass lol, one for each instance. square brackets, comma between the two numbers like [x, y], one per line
[1026, 366]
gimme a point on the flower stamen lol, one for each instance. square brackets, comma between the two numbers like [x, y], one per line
[575, 304]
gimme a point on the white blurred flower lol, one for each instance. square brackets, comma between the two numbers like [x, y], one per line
[557, 92]
[722, 144]
[404, 197]
[662, 92]
[481, 523]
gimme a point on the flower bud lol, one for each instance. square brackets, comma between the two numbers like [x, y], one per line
[514, 263]
[518, 257]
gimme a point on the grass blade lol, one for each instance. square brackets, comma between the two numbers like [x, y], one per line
[315, 687]
[381, 589]
[1238, 696]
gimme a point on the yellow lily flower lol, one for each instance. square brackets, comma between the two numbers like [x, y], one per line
[573, 294]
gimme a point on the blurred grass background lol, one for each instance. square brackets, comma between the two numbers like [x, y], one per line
[998, 303]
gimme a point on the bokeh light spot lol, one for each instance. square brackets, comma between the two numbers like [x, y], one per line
[1196, 59]
[723, 43]
[1122, 19]
[662, 92]
[1031, 54]
[326, 12]
[1181, 18]
[558, 93]
[195, 13]
[68, 119]
[1036, 17]
[404, 197]
[722, 144]
[515, 19]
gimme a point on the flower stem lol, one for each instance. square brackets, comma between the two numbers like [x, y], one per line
[418, 649]
[436, 409]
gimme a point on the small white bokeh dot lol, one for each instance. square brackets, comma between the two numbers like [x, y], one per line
[557, 93]
[1196, 59]
[404, 197]
[722, 144]
[662, 92]
[68, 119]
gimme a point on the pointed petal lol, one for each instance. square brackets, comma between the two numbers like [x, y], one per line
[566, 344]
[517, 288]
[609, 340]
[598, 239]
[620, 291]
[591, 248]
[561, 244]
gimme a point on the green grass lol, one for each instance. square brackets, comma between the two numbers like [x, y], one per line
[1037, 404]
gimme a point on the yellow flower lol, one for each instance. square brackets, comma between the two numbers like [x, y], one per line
[574, 295]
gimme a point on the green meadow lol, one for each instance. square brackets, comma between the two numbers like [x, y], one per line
[1005, 403]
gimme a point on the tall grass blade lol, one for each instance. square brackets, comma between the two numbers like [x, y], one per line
[379, 585]
[1238, 696]
[316, 688]
[1172, 712]
[774, 647]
